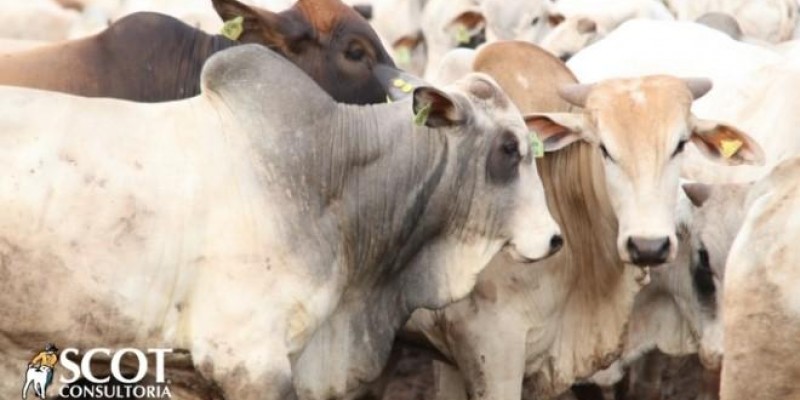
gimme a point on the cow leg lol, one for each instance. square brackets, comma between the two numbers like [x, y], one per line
[587, 391]
[449, 382]
[25, 388]
[493, 366]
[246, 371]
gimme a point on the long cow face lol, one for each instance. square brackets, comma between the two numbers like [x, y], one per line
[641, 127]
[329, 40]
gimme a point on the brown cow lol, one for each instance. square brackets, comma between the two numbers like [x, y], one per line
[152, 57]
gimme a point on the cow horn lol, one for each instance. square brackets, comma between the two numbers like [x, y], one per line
[698, 86]
[575, 93]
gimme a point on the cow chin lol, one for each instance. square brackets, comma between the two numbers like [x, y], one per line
[536, 250]
[518, 257]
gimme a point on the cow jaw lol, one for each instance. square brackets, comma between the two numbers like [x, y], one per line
[534, 235]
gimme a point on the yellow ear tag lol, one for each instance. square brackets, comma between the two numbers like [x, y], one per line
[462, 34]
[233, 28]
[421, 117]
[730, 147]
[403, 55]
[404, 86]
[537, 146]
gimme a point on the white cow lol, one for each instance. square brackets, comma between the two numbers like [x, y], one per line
[266, 229]
[447, 24]
[526, 20]
[398, 23]
[36, 378]
[586, 21]
[35, 20]
[762, 293]
[768, 20]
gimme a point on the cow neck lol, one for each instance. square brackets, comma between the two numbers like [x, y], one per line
[392, 171]
[575, 184]
[406, 165]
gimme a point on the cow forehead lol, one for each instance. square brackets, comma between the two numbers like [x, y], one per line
[324, 15]
[642, 114]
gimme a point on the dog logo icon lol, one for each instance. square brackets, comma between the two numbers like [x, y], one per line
[40, 371]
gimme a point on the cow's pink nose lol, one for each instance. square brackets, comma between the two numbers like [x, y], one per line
[648, 251]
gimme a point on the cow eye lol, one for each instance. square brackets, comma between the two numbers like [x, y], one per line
[535, 21]
[502, 166]
[606, 155]
[511, 148]
[679, 149]
[355, 52]
[704, 276]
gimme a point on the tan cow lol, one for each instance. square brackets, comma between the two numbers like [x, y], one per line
[762, 293]
[613, 189]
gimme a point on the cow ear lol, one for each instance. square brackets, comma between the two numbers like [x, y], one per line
[435, 108]
[725, 144]
[697, 192]
[259, 26]
[557, 130]
[467, 25]
[365, 10]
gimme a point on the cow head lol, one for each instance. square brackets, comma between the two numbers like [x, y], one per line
[573, 34]
[329, 40]
[716, 215]
[525, 20]
[496, 199]
[640, 126]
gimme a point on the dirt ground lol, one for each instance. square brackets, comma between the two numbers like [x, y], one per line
[655, 377]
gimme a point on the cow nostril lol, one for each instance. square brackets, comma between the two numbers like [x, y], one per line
[565, 57]
[663, 251]
[648, 251]
[556, 242]
[632, 249]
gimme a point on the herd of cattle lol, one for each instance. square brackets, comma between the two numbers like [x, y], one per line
[550, 197]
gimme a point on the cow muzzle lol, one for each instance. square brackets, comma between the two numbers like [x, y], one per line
[649, 251]
[555, 244]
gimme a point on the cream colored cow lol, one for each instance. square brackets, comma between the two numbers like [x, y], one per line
[762, 293]
[768, 20]
[448, 24]
[586, 21]
[612, 183]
